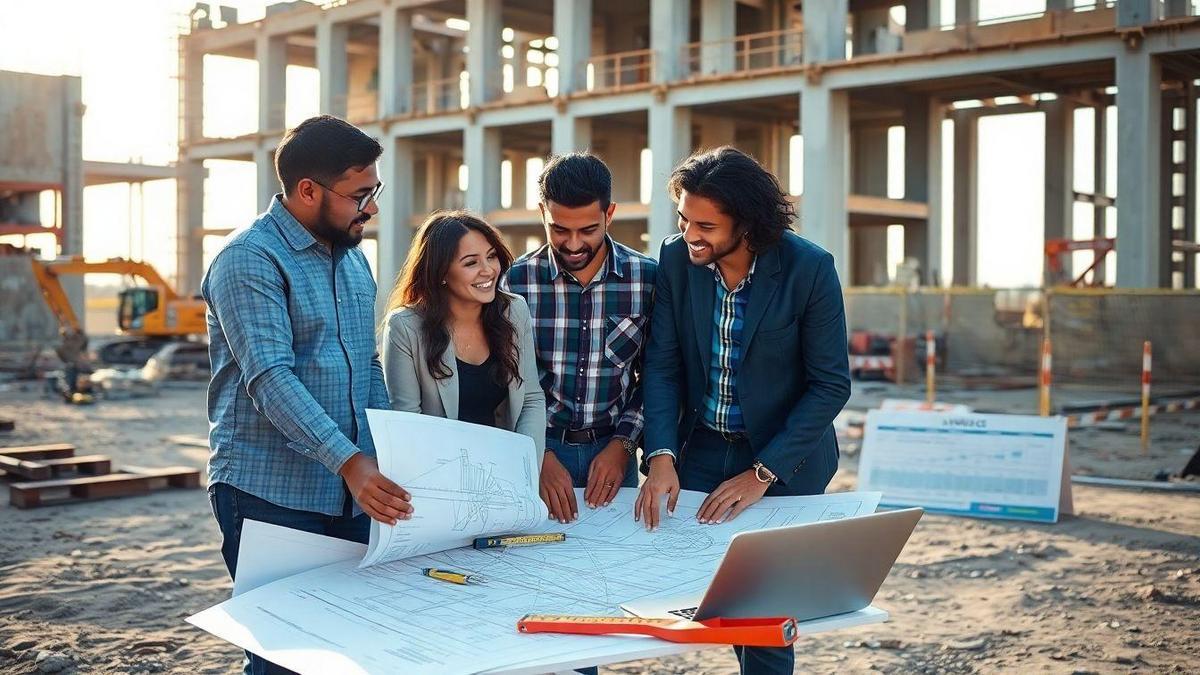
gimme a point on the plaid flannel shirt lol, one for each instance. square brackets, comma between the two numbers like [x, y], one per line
[722, 410]
[291, 330]
[590, 340]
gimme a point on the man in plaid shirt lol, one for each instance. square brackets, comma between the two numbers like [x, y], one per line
[590, 299]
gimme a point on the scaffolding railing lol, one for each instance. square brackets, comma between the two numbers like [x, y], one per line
[749, 53]
[618, 71]
[1013, 29]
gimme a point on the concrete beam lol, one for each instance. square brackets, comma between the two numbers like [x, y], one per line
[966, 189]
[670, 134]
[333, 65]
[669, 30]
[573, 27]
[824, 218]
[105, 173]
[1140, 229]
[396, 48]
[1059, 204]
[481, 153]
[396, 208]
[483, 55]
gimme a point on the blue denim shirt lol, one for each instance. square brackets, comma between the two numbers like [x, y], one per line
[294, 363]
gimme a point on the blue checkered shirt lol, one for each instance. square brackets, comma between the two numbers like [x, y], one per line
[291, 330]
[590, 340]
[722, 411]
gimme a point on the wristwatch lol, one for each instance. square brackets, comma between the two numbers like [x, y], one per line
[763, 474]
[628, 444]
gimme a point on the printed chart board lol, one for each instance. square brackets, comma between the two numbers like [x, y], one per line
[986, 466]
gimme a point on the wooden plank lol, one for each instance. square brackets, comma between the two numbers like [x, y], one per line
[25, 468]
[45, 493]
[52, 451]
[92, 465]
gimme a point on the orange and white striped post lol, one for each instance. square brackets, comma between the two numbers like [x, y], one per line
[1146, 397]
[1044, 380]
[930, 361]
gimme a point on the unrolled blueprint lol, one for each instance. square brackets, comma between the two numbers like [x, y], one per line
[388, 618]
[466, 481]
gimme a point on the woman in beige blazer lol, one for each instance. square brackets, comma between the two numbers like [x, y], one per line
[454, 345]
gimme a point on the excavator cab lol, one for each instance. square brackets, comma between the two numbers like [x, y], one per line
[135, 304]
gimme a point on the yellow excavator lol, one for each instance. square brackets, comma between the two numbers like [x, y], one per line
[150, 315]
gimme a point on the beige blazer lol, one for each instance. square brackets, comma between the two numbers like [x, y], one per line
[412, 388]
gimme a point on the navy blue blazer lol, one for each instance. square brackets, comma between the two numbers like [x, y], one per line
[793, 377]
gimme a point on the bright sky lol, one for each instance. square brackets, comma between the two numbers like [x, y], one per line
[125, 52]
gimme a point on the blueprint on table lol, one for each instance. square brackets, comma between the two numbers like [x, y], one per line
[389, 618]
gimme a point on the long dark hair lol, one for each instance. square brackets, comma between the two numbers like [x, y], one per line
[744, 190]
[419, 286]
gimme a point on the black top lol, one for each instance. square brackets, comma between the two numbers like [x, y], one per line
[478, 393]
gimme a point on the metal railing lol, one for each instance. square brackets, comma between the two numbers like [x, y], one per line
[618, 71]
[1014, 29]
[753, 52]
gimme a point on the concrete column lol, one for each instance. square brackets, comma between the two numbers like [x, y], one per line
[1059, 5]
[923, 183]
[483, 45]
[333, 64]
[1136, 13]
[670, 132]
[481, 153]
[189, 251]
[396, 48]
[72, 187]
[825, 31]
[718, 24]
[435, 181]
[624, 161]
[871, 32]
[966, 188]
[271, 52]
[921, 14]
[267, 180]
[1189, 164]
[1100, 181]
[191, 84]
[780, 143]
[966, 12]
[518, 180]
[868, 176]
[715, 131]
[396, 208]
[573, 27]
[669, 30]
[1140, 228]
[825, 126]
[570, 134]
[1059, 202]
[1175, 8]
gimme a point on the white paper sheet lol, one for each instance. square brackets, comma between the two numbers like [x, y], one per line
[389, 618]
[466, 481]
[269, 553]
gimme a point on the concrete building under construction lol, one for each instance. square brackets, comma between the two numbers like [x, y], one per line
[463, 93]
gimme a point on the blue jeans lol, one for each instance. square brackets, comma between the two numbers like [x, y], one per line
[709, 460]
[231, 505]
[577, 459]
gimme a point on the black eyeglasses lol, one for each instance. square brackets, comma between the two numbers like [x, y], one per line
[362, 201]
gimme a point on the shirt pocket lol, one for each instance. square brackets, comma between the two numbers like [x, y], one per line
[625, 337]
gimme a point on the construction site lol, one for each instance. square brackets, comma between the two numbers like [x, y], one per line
[876, 116]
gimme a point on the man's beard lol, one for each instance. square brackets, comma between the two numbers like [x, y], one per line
[716, 254]
[575, 267]
[339, 235]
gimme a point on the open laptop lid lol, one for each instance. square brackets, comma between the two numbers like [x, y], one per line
[808, 571]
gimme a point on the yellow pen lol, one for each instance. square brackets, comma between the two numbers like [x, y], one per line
[451, 576]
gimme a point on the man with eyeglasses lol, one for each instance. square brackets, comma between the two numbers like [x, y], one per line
[291, 318]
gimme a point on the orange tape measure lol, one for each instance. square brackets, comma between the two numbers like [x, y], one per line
[769, 632]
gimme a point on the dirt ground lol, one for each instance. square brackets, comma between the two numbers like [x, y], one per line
[104, 586]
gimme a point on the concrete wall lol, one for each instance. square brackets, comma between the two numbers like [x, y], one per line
[24, 317]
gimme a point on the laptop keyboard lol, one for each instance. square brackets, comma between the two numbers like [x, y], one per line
[689, 613]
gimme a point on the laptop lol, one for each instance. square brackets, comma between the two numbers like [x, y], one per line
[803, 571]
